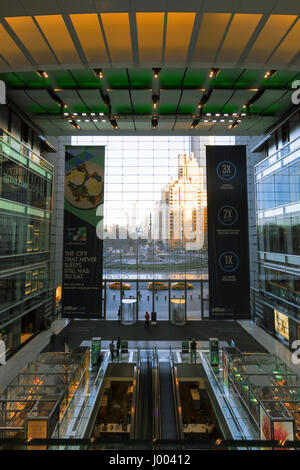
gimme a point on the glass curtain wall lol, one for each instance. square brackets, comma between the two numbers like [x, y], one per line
[154, 222]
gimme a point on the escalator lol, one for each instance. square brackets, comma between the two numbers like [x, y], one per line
[167, 406]
[143, 421]
[170, 408]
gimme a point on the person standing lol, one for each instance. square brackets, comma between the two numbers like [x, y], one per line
[193, 350]
[147, 320]
[52, 342]
[118, 347]
[112, 349]
[119, 314]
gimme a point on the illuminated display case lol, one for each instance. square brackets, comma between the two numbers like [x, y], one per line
[269, 390]
[37, 399]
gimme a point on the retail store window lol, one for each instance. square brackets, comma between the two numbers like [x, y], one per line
[28, 282]
[281, 323]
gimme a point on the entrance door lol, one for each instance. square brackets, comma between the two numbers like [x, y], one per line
[161, 300]
[193, 300]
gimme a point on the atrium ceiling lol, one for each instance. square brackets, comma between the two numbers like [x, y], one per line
[100, 58]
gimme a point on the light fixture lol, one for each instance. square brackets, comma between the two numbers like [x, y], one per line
[105, 99]
[74, 124]
[83, 114]
[57, 99]
[66, 114]
[114, 123]
[154, 122]
[156, 72]
[214, 73]
[195, 123]
[103, 120]
[155, 100]
[270, 74]
[233, 125]
[256, 97]
[101, 114]
[98, 73]
[204, 99]
[41, 73]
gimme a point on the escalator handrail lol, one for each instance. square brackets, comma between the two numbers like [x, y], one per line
[156, 428]
[135, 397]
[176, 395]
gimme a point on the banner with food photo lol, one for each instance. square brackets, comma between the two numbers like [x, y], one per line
[83, 250]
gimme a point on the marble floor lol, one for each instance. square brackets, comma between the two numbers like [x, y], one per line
[29, 352]
[272, 345]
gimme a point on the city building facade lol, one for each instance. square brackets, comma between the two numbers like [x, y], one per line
[26, 185]
[275, 168]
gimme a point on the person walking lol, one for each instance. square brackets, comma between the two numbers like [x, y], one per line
[119, 314]
[193, 350]
[52, 342]
[118, 347]
[147, 320]
[112, 349]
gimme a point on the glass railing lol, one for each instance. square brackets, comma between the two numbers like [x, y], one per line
[292, 149]
[15, 149]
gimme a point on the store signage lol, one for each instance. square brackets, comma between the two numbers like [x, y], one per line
[228, 257]
[82, 266]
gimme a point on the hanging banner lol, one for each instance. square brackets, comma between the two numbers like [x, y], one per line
[228, 246]
[82, 265]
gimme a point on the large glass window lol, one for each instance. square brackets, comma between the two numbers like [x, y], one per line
[155, 219]
[280, 234]
[22, 285]
[23, 234]
[22, 185]
[281, 284]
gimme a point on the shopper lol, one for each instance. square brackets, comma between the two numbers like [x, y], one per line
[147, 320]
[52, 342]
[112, 349]
[118, 347]
[193, 350]
[99, 360]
